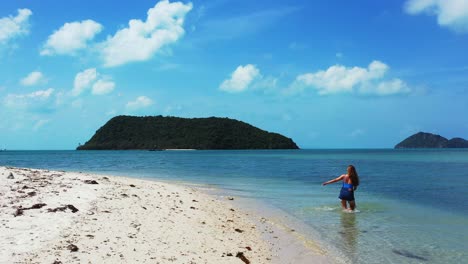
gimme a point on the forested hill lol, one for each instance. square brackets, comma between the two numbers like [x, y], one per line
[158, 132]
[428, 140]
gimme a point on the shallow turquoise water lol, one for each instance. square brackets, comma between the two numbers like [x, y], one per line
[411, 202]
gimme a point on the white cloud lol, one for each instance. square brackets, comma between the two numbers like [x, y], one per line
[33, 78]
[339, 79]
[142, 39]
[138, 103]
[84, 80]
[27, 100]
[11, 27]
[394, 86]
[103, 87]
[240, 79]
[71, 37]
[91, 79]
[450, 13]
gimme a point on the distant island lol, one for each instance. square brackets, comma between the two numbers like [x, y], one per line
[428, 140]
[158, 133]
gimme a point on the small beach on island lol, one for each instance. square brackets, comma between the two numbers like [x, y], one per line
[69, 217]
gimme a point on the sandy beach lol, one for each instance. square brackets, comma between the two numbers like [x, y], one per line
[67, 217]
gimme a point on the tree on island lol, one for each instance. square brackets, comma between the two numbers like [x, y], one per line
[158, 132]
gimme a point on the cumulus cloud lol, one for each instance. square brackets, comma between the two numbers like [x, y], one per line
[139, 102]
[394, 86]
[33, 78]
[339, 79]
[142, 39]
[450, 13]
[84, 80]
[103, 87]
[240, 79]
[11, 27]
[91, 79]
[71, 37]
[27, 100]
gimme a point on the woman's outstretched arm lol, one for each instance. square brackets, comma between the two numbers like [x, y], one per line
[334, 180]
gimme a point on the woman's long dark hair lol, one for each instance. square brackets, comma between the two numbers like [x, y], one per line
[352, 173]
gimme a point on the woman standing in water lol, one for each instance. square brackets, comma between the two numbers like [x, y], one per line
[350, 184]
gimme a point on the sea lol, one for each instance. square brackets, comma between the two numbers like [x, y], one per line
[412, 204]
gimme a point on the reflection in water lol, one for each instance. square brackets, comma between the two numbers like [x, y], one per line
[349, 232]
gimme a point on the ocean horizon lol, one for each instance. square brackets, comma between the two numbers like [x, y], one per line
[409, 201]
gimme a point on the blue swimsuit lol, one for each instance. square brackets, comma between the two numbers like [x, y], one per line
[345, 193]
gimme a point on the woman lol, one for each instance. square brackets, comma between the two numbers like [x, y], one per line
[350, 184]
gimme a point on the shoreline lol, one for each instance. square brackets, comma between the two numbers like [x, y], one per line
[75, 217]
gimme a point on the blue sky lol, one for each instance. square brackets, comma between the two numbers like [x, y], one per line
[329, 74]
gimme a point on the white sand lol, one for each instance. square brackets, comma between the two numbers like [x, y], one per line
[125, 220]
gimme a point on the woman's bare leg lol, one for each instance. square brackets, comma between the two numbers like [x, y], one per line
[344, 205]
[352, 205]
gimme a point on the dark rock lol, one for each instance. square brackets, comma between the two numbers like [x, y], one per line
[229, 254]
[21, 210]
[238, 230]
[18, 212]
[63, 208]
[132, 185]
[10, 176]
[72, 248]
[36, 206]
[72, 208]
[90, 182]
[408, 254]
[57, 262]
[57, 209]
[32, 194]
[242, 257]
[248, 248]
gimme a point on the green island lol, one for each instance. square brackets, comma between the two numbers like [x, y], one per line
[159, 133]
[428, 140]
